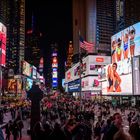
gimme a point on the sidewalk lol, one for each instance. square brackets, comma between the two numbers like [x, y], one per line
[8, 117]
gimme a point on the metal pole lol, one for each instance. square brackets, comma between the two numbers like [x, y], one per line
[80, 78]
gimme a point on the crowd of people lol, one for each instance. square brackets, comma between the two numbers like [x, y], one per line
[67, 118]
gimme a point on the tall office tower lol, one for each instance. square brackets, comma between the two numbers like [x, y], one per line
[127, 13]
[79, 24]
[95, 21]
[32, 44]
[69, 56]
[12, 14]
[32, 47]
[120, 15]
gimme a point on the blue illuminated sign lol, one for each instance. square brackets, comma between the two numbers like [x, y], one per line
[74, 86]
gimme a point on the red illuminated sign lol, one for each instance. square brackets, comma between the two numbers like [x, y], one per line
[99, 59]
[2, 44]
[68, 75]
[54, 60]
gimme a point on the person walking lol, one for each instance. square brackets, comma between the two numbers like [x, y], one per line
[8, 130]
[1, 135]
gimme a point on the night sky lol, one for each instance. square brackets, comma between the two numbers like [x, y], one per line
[53, 18]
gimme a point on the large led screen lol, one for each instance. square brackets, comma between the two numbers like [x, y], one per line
[12, 86]
[126, 43]
[2, 44]
[26, 69]
[19, 85]
[28, 84]
[136, 75]
[91, 83]
[117, 78]
[34, 72]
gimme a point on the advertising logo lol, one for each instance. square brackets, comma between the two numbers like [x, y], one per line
[99, 59]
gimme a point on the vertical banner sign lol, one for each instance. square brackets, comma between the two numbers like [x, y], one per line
[136, 75]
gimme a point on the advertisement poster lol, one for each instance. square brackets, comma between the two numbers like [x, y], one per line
[34, 72]
[117, 78]
[26, 69]
[29, 84]
[91, 83]
[12, 86]
[74, 86]
[2, 44]
[126, 43]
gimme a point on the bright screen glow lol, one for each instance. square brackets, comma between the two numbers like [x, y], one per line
[26, 69]
[117, 78]
[2, 44]
[126, 43]
[29, 84]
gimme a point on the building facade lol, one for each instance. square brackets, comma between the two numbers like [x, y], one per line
[126, 13]
[12, 14]
[95, 21]
[32, 47]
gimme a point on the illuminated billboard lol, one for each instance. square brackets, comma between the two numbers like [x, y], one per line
[2, 44]
[34, 72]
[116, 78]
[12, 85]
[19, 85]
[74, 86]
[54, 70]
[136, 75]
[126, 43]
[26, 69]
[91, 83]
[28, 84]
[15, 85]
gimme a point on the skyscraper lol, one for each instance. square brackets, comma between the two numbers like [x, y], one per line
[127, 13]
[32, 47]
[69, 56]
[95, 21]
[12, 14]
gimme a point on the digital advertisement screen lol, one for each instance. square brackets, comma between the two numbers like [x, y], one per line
[19, 85]
[136, 75]
[74, 86]
[12, 85]
[54, 74]
[54, 84]
[54, 65]
[126, 43]
[34, 72]
[26, 69]
[117, 79]
[91, 83]
[63, 83]
[54, 54]
[54, 80]
[29, 84]
[77, 71]
[2, 44]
